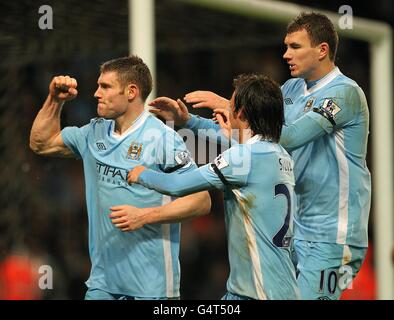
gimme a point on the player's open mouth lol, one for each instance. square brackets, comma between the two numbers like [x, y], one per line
[292, 67]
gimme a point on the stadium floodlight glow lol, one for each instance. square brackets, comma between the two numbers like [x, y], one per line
[379, 36]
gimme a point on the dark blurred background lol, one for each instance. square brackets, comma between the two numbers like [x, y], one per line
[43, 220]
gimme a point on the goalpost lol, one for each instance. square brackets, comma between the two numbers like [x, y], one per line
[379, 37]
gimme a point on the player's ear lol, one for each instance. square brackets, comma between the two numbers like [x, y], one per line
[132, 91]
[324, 50]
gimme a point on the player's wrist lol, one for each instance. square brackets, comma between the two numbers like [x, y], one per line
[54, 102]
[183, 121]
[150, 215]
[224, 103]
[186, 120]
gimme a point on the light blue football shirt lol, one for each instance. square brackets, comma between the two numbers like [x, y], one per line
[143, 263]
[327, 128]
[258, 182]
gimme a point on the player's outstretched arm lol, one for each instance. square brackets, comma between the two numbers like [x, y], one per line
[129, 218]
[172, 184]
[45, 135]
[170, 110]
[206, 99]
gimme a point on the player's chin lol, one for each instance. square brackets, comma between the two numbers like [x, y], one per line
[295, 74]
[102, 113]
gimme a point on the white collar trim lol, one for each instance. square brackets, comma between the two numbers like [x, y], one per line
[254, 139]
[133, 127]
[322, 82]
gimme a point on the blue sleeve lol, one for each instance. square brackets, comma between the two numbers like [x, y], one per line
[231, 168]
[302, 131]
[173, 154]
[76, 139]
[229, 171]
[196, 122]
[340, 106]
[174, 184]
[207, 128]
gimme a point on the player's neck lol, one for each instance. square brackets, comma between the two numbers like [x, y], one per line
[125, 121]
[321, 72]
[245, 133]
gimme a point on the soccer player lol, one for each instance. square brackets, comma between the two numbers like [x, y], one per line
[326, 130]
[257, 178]
[125, 265]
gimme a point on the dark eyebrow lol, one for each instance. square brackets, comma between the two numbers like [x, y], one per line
[292, 44]
[103, 84]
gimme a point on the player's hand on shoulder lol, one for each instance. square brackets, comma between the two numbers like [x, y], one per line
[206, 99]
[170, 110]
[63, 88]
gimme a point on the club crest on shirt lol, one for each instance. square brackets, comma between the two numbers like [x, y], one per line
[330, 107]
[309, 104]
[100, 146]
[134, 152]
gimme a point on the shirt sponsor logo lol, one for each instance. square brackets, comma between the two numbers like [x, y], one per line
[134, 152]
[112, 175]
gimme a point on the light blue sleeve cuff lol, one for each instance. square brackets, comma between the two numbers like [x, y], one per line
[196, 122]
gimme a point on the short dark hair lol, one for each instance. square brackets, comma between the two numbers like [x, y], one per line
[261, 101]
[131, 69]
[319, 28]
